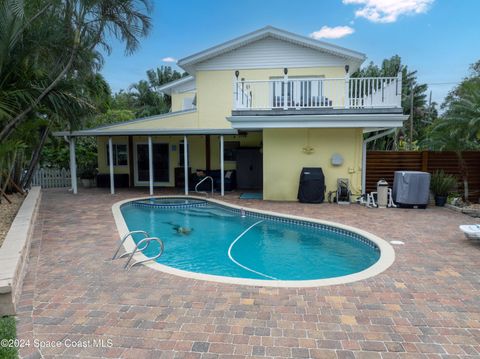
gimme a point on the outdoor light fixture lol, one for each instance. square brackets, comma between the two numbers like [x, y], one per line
[285, 70]
[347, 67]
[237, 73]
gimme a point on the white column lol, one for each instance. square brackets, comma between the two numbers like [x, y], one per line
[285, 92]
[185, 163]
[150, 164]
[347, 91]
[110, 159]
[73, 165]
[364, 167]
[222, 169]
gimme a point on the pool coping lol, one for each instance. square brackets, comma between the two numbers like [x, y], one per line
[387, 253]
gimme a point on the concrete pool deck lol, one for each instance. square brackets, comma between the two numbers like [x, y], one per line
[426, 305]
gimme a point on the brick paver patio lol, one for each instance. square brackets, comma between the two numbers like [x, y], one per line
[427, 305]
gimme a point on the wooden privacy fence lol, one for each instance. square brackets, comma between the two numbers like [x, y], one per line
[51, 178]
[383, 164]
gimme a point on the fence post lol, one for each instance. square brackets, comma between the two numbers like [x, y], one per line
[425, 161]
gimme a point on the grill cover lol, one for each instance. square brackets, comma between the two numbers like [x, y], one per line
[411, 188]
[312, 185]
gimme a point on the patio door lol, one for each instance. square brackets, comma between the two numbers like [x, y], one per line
[161, 163]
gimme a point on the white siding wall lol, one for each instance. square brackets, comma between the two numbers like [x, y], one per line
[271, 53]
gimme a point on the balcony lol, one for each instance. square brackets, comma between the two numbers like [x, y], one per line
[316, 95]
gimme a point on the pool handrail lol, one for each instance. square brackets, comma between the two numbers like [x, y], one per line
[203, 180]
[123, 239]
[147, 242]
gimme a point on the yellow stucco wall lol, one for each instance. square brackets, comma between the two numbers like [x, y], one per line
[282, 148]
[177, 100]
[283, 159]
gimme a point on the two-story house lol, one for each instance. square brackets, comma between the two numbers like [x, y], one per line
[257, 108]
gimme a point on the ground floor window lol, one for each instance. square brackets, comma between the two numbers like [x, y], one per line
[120, 155]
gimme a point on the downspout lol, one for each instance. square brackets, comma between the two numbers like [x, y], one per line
[364, 155]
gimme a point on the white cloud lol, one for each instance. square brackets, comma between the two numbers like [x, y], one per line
[385, 11]
[169, 59]
[332, 32]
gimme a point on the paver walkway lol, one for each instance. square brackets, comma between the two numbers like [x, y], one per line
[427, 305]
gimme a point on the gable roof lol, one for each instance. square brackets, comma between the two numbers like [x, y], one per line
[188, 63]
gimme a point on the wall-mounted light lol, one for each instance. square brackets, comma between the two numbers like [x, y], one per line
[237, 73]
[347, 68]
[285, 71]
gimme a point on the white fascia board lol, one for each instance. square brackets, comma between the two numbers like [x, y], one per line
[188, 62]
[318, 121]
[145, 132]
[168, 87]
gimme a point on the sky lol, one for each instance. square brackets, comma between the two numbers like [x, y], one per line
[438, 38]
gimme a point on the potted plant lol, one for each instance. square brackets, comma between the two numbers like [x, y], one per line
[87, 175]
[441, 185]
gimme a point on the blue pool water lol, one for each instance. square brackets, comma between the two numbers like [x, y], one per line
[207, 238]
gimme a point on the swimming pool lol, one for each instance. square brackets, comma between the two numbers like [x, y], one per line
[211, 240]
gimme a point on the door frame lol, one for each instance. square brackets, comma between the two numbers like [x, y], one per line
[138, 183]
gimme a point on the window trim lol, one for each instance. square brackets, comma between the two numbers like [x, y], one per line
[115, 158]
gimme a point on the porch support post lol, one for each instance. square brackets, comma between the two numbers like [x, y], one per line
[222, 169]
[185, 163]
[150, 164]
[364, 168]
[73, 165]
[110, 159]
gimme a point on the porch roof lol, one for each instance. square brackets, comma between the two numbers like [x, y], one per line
[148, 132]
[173, 123]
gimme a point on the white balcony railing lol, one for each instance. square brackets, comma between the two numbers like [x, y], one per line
[300, 93]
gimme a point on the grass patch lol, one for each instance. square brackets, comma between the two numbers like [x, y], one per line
[8, 331]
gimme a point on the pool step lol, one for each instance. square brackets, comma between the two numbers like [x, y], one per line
[208, 212]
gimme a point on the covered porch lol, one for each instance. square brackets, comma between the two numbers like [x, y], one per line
[202, 160]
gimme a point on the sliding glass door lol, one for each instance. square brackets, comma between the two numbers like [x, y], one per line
[161, 165]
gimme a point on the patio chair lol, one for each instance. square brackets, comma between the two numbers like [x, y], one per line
[471, 231]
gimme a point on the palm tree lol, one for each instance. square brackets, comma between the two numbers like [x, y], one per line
[390, 68]
[458, 129]
[81, 25]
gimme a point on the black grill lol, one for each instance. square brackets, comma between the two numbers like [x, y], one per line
[312, 185]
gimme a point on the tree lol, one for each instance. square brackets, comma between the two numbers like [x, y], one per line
[81, 26]
[390, 68]
[458, 129]
[49, 62]
[143, 97]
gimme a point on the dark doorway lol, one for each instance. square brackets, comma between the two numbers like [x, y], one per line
[249, 168]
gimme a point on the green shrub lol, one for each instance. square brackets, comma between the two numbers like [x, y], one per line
[442, 183]
[7, 331]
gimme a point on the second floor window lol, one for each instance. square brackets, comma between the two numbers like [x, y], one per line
[120, 155]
